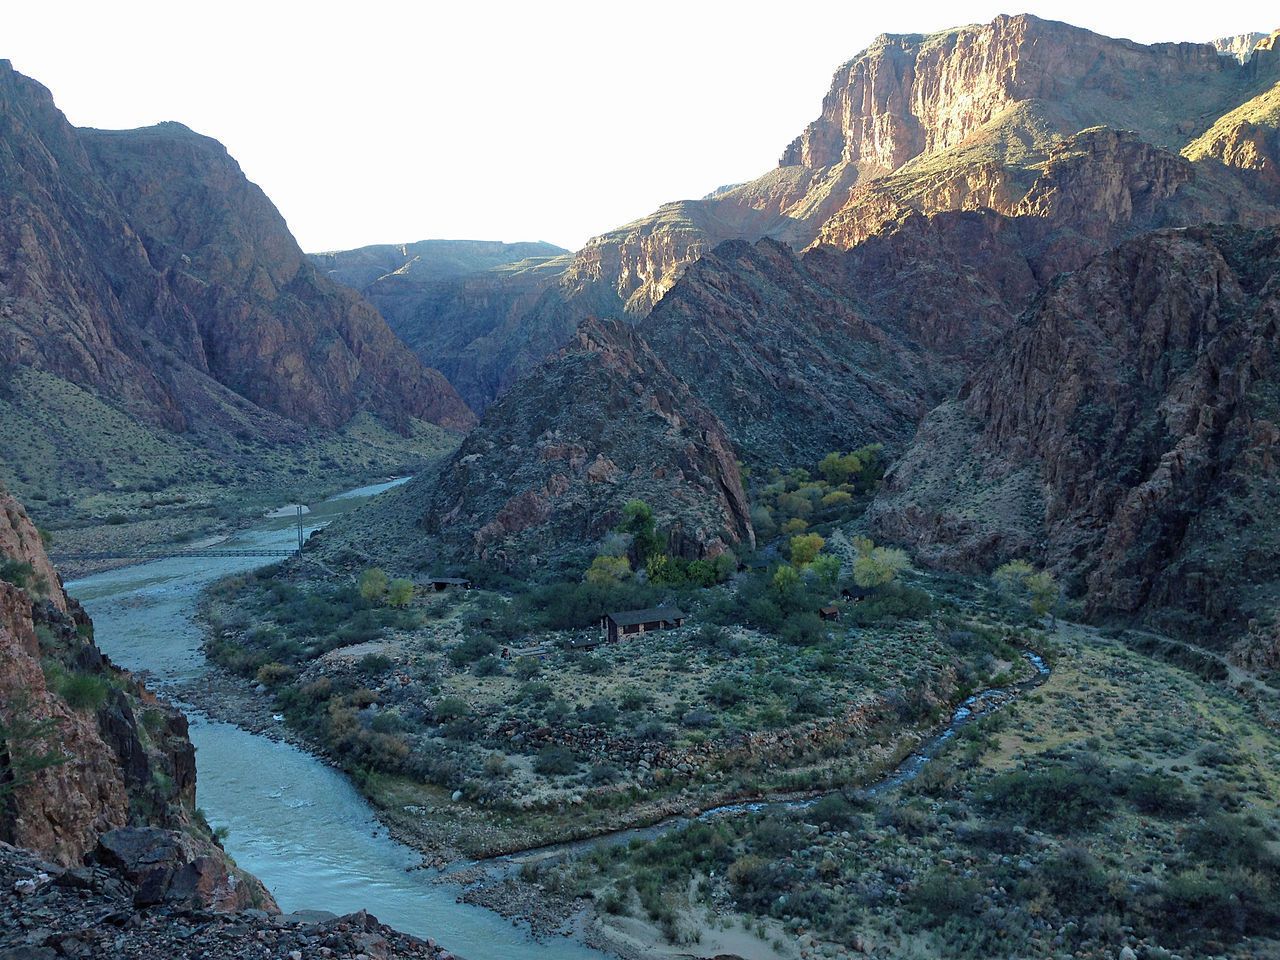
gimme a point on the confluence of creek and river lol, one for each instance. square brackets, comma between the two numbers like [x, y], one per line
[297, 823]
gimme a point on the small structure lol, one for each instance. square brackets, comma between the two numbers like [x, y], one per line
[627, 623]
[584, 641]
[856, 594]
[443, 583]
[829, 613]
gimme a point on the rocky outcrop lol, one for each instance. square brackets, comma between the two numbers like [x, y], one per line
[559, 455]
[1239, 47]
[85, 747]
[50, 911]
[1125, 437]
[171, 867]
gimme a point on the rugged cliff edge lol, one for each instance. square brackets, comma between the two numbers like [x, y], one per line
[1011, 116]
[1126, 436]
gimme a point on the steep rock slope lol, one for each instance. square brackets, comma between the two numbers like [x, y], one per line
[271, 327]
[143, 272]
[557, 457]
[1126, 437]
[483, 328]
[978, 117]
[122, 757]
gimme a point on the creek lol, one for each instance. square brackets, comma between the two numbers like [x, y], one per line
[295, 822]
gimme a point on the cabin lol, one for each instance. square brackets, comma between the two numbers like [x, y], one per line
[829, 613]
[627, 623]
[856, 594]
[443, 583]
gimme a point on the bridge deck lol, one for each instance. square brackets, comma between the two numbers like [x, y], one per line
[169, 554]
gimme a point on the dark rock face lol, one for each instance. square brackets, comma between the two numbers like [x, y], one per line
[141, 264]
[115, 776]
[1125, 436]
[47, 911]
[558, 457]
[172, 867]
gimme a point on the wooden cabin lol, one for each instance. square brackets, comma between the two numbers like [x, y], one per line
[443, 583]
[829, 613]
[627, 623]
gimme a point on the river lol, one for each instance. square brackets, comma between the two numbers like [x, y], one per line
[294, 822]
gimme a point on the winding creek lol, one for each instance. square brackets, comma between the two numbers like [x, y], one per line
[297, 823]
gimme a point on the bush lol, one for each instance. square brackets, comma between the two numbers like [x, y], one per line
[1159, 794]
[1056, 797]
[472, 649]
[375, 664]
[84, 691]
[554, 761]
[451, 708]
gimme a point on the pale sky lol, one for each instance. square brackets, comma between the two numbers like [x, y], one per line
[381, 122]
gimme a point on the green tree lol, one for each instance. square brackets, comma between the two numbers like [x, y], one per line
[785, 579]
[879, 565]
[1020, 582]
[400, 592]
[27, 745]
[637, 520]
[838, 469]
[607, 571]
[1043, 592]
[805, 547]
[1010, 578]
[826, 568]
[373, 584]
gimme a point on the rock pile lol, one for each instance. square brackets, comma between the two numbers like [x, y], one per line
[47, 912]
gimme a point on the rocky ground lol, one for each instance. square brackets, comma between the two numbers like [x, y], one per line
[47, 912]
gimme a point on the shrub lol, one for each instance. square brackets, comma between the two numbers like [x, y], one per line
[472, 649]
[554, 761]
[450, 708]
[375, 663]
[1159, 794]
[273, 674]
[84, 691]
[1056, 797]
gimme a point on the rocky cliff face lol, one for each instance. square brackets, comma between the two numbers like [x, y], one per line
[1126, 437]
[482, 329]
[558, 457]
[142, 268]
[1026, 117]
[112, 769]
[271, 327]
[92, 766]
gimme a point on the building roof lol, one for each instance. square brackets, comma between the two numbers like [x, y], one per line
[457, 581]
[627, 618]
